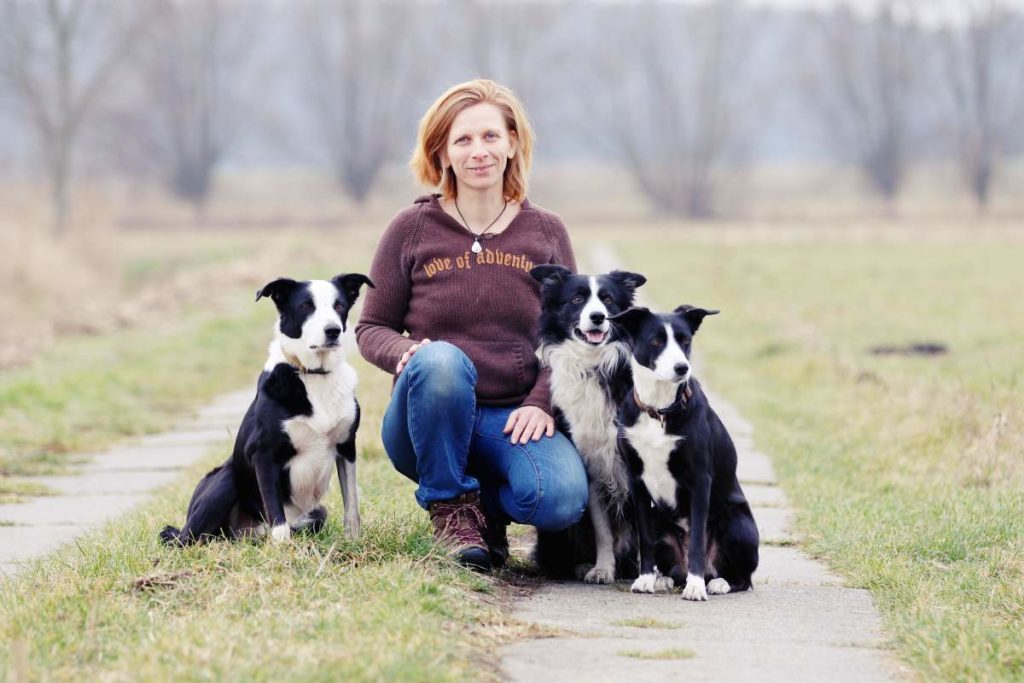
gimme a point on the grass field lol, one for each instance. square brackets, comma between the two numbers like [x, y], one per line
[906, 471]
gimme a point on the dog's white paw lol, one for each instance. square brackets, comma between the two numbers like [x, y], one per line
[695, 588]
[664, 584]
[281, 532]
[353, 527]
[645, 583]
[600, 575]
[718, 587]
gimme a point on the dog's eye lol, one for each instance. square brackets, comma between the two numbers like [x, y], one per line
[607, 300]
[307, 307]
[657, 342]
[339, 307]
[577, 299]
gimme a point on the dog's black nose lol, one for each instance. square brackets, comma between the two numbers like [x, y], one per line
[597, 317]
[681, 368]
[332, 333]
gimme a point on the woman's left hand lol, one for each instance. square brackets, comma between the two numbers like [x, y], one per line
[529, 422]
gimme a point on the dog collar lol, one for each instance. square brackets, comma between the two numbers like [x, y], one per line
[303, 370]
[660, 414]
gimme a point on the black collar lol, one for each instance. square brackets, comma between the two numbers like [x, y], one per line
[661, 414]
[315, 371]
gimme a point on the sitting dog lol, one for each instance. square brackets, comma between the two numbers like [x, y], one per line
[589, 377]
[302, 423]
[683, 464]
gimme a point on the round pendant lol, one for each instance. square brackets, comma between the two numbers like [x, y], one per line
[476, 248]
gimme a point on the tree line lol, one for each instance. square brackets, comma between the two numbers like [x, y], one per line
[679, 94]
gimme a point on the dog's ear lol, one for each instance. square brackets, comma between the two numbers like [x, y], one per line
[349, 284]
[694, 316]
[627, 279]
[278, 290]
[631, 320]
[549, 271]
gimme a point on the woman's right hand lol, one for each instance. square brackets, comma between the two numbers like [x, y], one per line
[404, 360]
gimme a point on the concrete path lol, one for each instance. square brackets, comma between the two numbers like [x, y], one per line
[111, 483]
[798, 624]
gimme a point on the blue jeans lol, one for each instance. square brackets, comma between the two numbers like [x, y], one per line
[436, 434]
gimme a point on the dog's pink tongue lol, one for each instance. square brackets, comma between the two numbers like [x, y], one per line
[595, 336]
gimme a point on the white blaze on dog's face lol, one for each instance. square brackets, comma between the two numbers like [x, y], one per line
[312, 315]
[661, 349]
[577, 307]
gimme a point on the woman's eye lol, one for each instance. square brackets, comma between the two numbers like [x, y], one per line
[491, 136]
[577, 300]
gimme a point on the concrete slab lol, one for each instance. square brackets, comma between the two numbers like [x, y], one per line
[20, 543]
[96, 483]
[134, 458]
[774, 525]
[753, 467]
[789, 566]
[189, 437]
[765, 496]
[78, 511]
[603, 661]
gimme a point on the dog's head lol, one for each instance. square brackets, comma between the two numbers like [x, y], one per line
[661, 341]
[312, 315]
[578, 307]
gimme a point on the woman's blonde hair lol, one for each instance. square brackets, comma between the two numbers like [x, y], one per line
[437, 123]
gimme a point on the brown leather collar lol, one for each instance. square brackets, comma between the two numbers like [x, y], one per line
[660, 414]
[294, 362]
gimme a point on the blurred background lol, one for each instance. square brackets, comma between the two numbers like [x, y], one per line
[155, 151]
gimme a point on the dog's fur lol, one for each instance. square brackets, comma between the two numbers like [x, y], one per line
[684, 465]
[301, 423]
[589, 365]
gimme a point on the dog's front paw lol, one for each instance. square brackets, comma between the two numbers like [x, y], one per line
[718, 587]
[353, 527]
[645, 583]
[600, 575]
[695, 588]
[664, 584]
[281, 532]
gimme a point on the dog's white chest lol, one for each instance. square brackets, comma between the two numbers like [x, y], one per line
[653, 445]
[577, 392]
[316, 436]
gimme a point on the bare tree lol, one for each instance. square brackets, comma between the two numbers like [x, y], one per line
[986, 97]
[57, 57]
[865, 87]
[681, 104]
[360, 69]
[186, 110]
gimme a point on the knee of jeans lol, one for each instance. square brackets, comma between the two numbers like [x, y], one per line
[441, 369]
[562, 505]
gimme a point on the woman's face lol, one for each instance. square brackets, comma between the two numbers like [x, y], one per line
[479, 147]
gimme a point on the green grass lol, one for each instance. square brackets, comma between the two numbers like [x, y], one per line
[88, 392]
[646, 622]
[672, 653]
[906, 472]
[118, 606]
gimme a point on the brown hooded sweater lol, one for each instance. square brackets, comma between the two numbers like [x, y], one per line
[430, 285]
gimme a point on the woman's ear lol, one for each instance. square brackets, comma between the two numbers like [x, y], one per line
[513, 144]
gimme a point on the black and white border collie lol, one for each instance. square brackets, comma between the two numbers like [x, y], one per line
[301, 425]
[684, 466]
[589, 365]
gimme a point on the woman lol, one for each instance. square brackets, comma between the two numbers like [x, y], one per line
[470, 414]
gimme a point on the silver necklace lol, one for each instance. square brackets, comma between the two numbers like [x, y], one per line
[476, 248]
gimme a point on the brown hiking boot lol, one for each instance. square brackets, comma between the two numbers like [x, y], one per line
[496, 536]
[457, 524]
